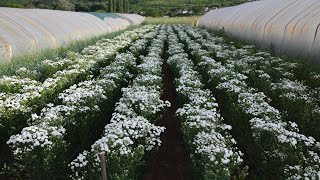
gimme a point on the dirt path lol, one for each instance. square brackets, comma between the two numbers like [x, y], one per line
[172, 160]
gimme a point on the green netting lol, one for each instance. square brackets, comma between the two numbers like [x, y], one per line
[104, 15]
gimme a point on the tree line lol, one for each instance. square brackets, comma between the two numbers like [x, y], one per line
[144, 7]
[121, 6]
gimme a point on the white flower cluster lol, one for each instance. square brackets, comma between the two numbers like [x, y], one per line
[37, 94]
[82, 98]
[306, 170]
[14, 84]
[274, 76]
[139, 46]
[74, 105]
[201, 121]
[277, 78]
[292, 90]
[131, 129]
[24, 72]
[291, 147]
[85, 91]
[105, 48]
[37, 138]
[48, 67]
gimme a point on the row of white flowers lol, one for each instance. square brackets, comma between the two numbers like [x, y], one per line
[213, 149]
[77, 104]
[22, 96]
[80, 102]
[131, 131]
[274, 76]
[280, 141]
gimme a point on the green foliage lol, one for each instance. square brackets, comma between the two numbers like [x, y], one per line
[173, 5]
[99, 7]
[111, 6]
[114, 5]
[64, 5]
[199, 9]
[154, 12]
[15, 5]
[126, 6]
[121, 6]
[82, 7]
[43, 6]
[190, 20]
[132, 6]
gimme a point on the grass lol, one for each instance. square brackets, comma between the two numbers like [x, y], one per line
[32, 59]
[188, 20]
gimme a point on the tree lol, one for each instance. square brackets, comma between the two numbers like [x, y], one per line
[198, 9]
[111, 5]
[154, 12]
[43, 6]
[64, 5]
[30, 5]
[98, 6]
[126, 6]
[121, 6]
[84, 7]
[114, 5]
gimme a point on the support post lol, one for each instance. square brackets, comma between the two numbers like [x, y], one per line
[102, 157]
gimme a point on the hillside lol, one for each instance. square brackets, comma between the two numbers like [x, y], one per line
[148, 7]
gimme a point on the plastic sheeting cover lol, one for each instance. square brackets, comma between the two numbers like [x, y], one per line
[25, 30]
[116, 24]
[135, 19]
[104, 15]
[288, 26]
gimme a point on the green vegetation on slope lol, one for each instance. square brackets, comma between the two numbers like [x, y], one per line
[190, 20]
[145, 7]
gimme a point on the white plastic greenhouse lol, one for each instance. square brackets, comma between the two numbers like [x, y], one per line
[25, 30]
[134, 18]
[288, 26]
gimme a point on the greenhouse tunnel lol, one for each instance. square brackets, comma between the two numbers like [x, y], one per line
[288, 27]
[28, 30]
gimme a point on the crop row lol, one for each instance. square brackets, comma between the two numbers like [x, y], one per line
[131, 131]
[295, 99]
[20, 97]
[64, 126]
[275, 145]
[213, 150]
[244, 113]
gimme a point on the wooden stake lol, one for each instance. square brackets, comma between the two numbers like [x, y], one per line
[102, 157]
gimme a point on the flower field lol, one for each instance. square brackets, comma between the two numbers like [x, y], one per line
[240, 113]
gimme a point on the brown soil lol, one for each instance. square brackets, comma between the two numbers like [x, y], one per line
[171, 160]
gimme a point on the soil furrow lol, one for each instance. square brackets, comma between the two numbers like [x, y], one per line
[171, 160]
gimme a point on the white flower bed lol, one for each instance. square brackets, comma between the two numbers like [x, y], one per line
[276, 73]
[79, 103]
[22, 102]
[294, 150]
[213, 149]
[83, 63]
[131, 131]
[297, 101]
